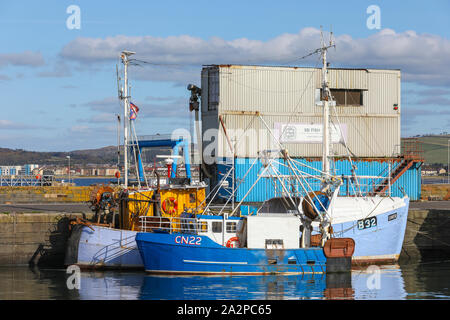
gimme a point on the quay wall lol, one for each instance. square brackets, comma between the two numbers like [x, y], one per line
[41, 238]
[44, 194]
[427, 235]
[35, 238]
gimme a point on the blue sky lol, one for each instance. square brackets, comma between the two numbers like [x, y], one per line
[59, 88]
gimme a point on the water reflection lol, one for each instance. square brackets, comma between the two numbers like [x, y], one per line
[427, 280]
[234, 287]
[375, 283]
[140, 286]
[413, 281]
[23, 283]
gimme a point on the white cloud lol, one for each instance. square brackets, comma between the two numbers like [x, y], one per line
[59, 70]
[26, 58]
[109, 104]
[82, 129]
[160, 107]
[4, 77]
[10, 125]
[423, 58]
[103, 117]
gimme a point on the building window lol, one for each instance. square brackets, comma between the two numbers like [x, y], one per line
[274, 244]
[217, 226]
[213, 90]
[347, 97]
[231, 227]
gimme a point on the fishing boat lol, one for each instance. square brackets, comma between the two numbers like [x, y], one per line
[267, 243]
[375, 220]
[108, 239]
[377, 224]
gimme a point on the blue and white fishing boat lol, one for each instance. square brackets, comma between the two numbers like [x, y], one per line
[264, 244]
[377, 224]
[375, 220]
[363, 210]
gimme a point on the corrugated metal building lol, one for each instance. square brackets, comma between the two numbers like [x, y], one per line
[257, 103]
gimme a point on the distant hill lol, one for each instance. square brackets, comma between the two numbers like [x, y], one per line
[106, 155]
[435, 148]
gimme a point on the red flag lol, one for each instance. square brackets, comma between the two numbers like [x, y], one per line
[133, 111]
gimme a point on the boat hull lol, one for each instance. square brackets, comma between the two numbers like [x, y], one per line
[113, 248]
[192, 254]
[98, 247]
[379, 244]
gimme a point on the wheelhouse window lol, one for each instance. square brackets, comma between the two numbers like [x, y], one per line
[217, 227]
[203, 226]
[231, 227]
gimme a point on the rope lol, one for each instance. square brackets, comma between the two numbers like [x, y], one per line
[354, 225]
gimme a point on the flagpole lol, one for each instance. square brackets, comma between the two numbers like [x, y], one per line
[126, 120]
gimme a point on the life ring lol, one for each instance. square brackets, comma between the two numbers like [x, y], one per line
[170, 205]
[231, 241]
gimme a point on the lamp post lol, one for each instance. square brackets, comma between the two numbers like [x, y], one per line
[448, 161]
[68, 157]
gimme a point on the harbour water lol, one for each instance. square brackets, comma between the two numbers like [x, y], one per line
[81, 182]
[428, 280]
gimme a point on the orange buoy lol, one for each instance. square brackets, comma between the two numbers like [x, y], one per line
[117, 174]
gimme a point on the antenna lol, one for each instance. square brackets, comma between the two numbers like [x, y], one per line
[119, 91]
[331, 35]
[127, 53]
[126, 121]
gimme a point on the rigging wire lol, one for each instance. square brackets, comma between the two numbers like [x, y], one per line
[364, 118]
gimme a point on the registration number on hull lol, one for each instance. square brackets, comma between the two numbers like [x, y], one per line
[367, 223]
[192, 240]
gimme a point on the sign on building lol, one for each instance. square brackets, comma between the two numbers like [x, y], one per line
[308, 133]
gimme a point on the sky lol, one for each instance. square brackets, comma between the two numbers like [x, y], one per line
[58, 81]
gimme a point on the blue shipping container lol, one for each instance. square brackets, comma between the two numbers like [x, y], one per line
[248, 170]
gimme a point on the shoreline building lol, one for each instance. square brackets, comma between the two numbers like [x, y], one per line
[244, 107]
[24, 170]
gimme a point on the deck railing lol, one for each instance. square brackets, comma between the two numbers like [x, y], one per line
[365, 185]
[170, 225]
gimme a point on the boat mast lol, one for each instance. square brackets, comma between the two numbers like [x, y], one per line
[126, 112]
[326, 97]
